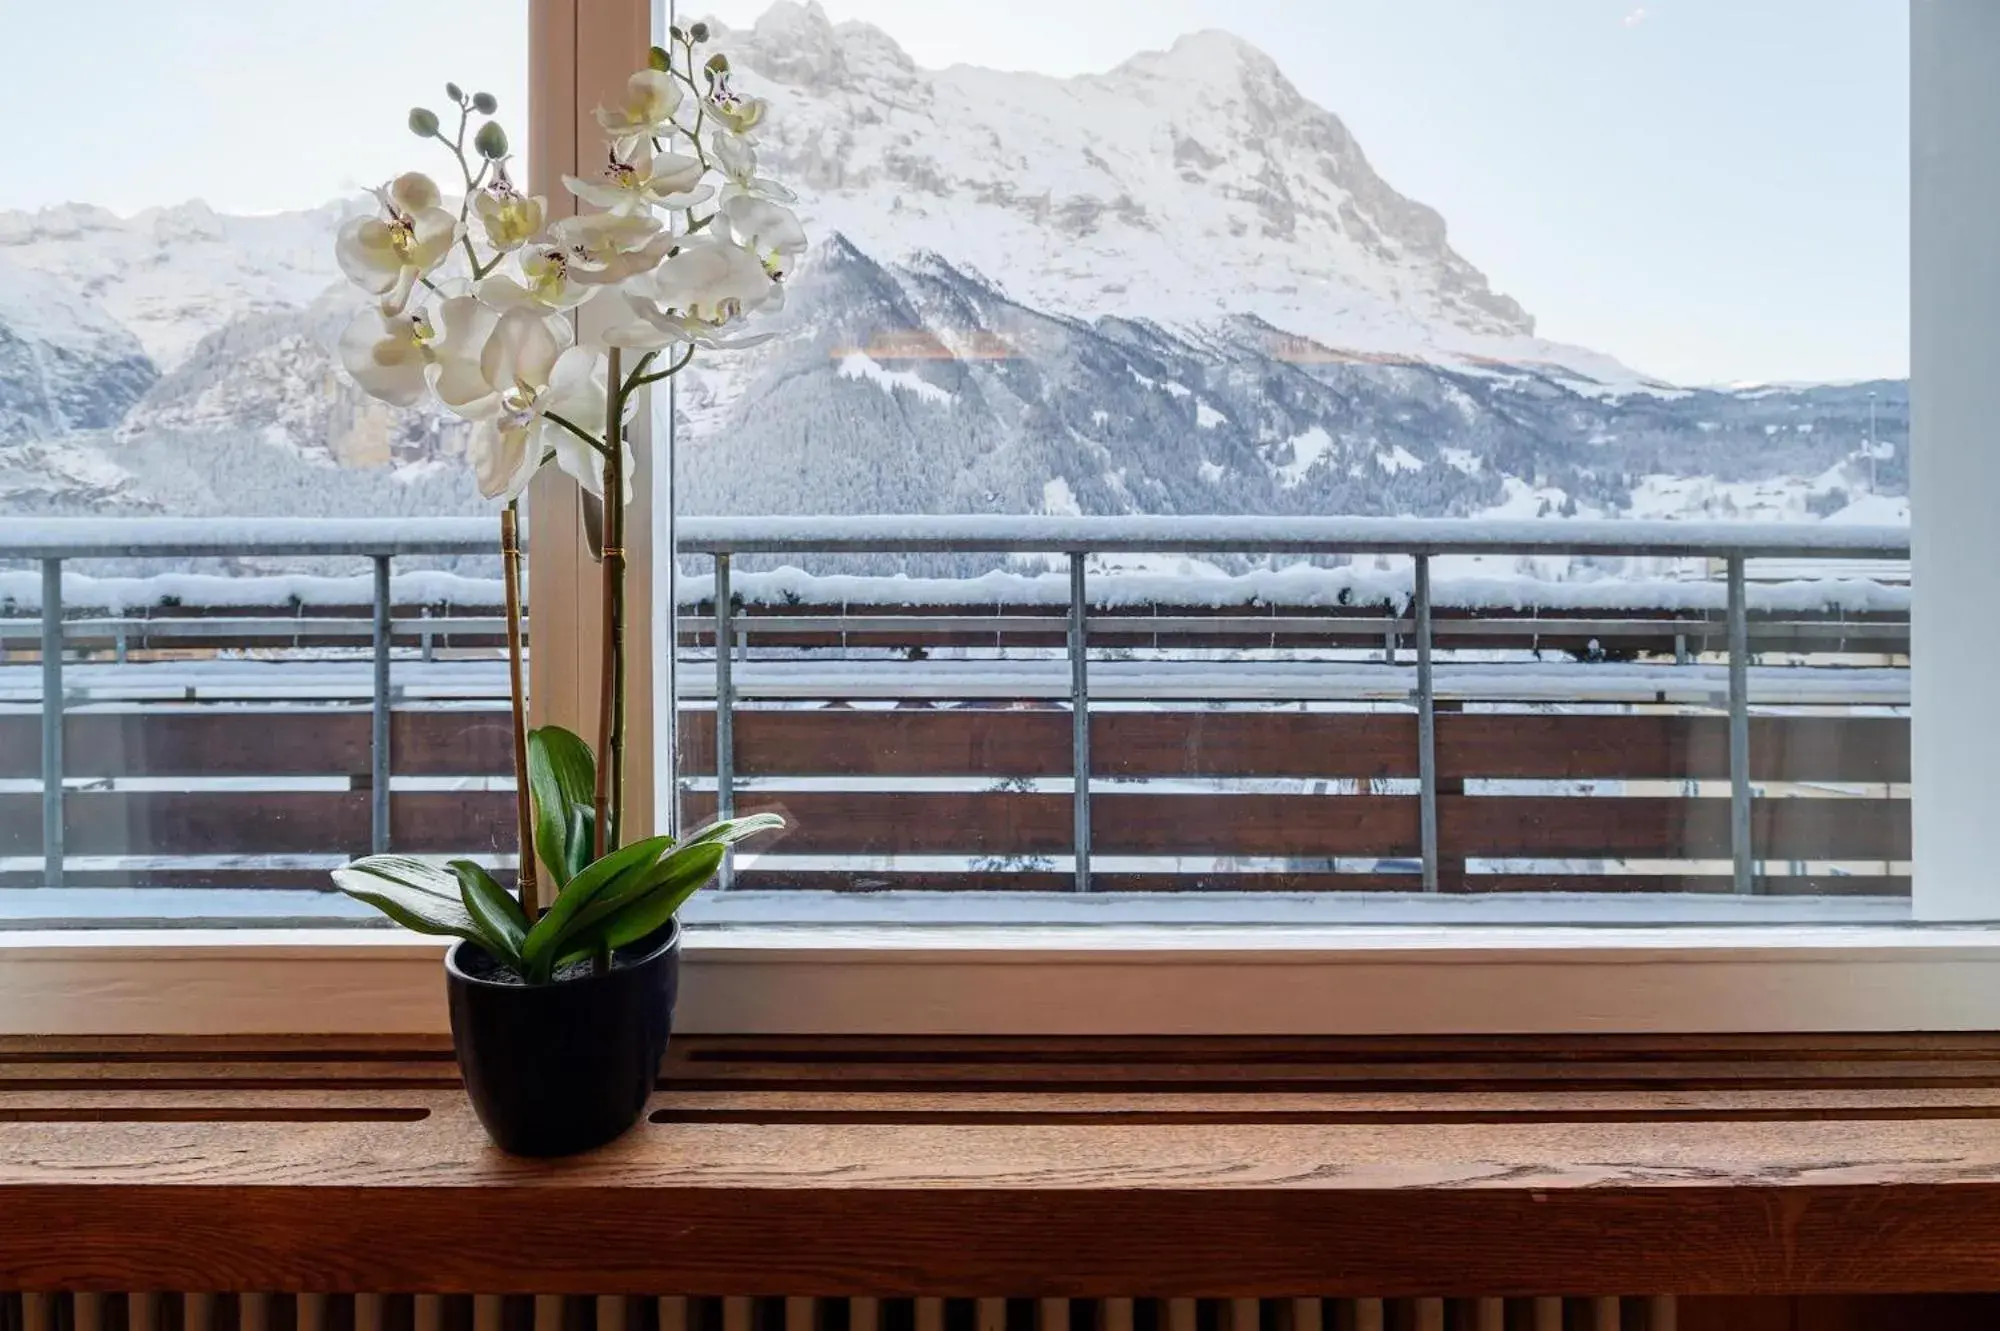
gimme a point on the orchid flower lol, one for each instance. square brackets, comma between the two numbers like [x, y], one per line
[638, 180]
[739, 114]
[769, 230]
[646, 111]
[387, 256]
[510, 383]
[707, 285]
[511, 219]
[607, 248]
[388, 355]
[737, 159]
[545, 284]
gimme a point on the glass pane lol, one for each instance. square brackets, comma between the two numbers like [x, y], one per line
[1442, 266]
[170, 312]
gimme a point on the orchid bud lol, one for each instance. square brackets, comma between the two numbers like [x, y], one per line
[699, 32]
[675, 34]
[717, 66]
[656, 58]
[485, 103]
[423, 124]
[452, 91]
[491, 141]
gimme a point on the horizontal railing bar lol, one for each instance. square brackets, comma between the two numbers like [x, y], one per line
[100, 538]
[134, 538]
[986, 533]
[753, 625]
[196, 626]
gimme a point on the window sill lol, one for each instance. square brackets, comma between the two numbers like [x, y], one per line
[1082, 1168]
[1131, 979]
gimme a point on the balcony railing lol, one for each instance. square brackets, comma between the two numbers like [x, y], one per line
[1429, 725]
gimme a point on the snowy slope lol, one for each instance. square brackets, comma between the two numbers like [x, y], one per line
[173, 275]
[65, 364]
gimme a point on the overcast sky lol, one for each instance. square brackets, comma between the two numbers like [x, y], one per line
[1711, 190]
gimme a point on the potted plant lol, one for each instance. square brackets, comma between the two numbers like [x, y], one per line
[548, 335]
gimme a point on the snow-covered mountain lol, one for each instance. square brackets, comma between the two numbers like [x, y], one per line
[1184, 186]
[1174, 287]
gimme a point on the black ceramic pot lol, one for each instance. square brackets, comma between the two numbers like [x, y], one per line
[559, 1068]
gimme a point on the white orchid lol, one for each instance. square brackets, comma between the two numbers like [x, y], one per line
[387, 256]
[737, 159]
[528, 389]
[607, 248]
[639, 179]
[739, 114]
[511, 219]
[388, 355]
[709, 284]
[769, 230]
[542, 282]
[494, 344]
[645, 111]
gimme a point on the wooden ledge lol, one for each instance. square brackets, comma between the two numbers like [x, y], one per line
[1086, 1168]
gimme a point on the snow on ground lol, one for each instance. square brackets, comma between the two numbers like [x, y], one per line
[1399, 459]
[860, 365]
[1058, 499]
[1207, 417]
[1307, 449]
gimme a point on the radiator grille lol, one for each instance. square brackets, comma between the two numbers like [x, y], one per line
[436, 1312]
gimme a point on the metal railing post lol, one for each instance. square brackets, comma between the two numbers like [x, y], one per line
[1739, 728]
[52, 723]
[725, 707]
[1427, 777]
[378, 736]
[1079, 703]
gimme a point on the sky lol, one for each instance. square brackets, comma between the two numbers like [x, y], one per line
[1711, 190]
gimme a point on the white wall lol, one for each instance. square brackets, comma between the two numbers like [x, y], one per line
[1955, 453]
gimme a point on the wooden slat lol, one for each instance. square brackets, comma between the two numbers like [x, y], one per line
[260, 822]
[233, 741]
[1031, 741]
[1664, 828]
[844, 742]
[1520, 745]
[1006, 824]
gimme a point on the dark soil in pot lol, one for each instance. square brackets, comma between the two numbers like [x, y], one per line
[559, 1068]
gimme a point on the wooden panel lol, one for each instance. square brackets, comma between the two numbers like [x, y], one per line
[1665, 828]
[926, 822]
[845, 742]
[261, 822]
[1486, 744]
[1035, 741]
[232, 741]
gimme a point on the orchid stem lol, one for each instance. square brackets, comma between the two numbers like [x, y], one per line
[578, 431]
[524, 818]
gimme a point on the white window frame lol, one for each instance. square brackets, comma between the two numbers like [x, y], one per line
[1240, 966]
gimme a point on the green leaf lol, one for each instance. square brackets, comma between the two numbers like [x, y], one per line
[502, 924]
[415, 894]
[668, 884]
[544, 943]
[729, 831]
[561, 775]
[582, 840]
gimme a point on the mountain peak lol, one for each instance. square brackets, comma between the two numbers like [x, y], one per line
[1208, 57]
[799, 45]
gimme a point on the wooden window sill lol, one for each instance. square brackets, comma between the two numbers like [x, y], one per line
[1085, 1168]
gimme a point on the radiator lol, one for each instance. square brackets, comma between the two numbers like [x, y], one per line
[435, 1312]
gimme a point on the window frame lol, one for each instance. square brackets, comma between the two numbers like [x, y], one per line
[1222, 968]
